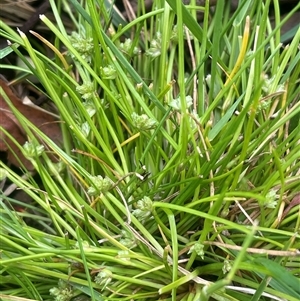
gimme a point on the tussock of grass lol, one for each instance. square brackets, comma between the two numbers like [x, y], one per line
[180, 159]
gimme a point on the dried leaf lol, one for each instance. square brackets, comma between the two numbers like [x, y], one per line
[295, 201]
[8, 121]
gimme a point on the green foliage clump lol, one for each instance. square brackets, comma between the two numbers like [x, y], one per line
[179, 171]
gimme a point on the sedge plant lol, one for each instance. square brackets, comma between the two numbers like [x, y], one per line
[178, 175]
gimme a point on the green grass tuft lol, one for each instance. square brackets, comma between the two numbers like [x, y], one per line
[178, 178]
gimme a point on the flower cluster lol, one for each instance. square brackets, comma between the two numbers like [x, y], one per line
[100, 185]
[85, 129]
[155, 47]
[143, 209]
[198, 248]
[176, 103]
[271, 199]
[90, 107]
[63, 292]
[108, 72]
[174, 34]
[104, 278]
[268, 84]
[226, 266]
[83, 45]
[32, 150]
[86, 90]
[127, 239]
[142, 122]
[127, 46]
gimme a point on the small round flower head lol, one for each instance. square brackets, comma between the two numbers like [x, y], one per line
[63, 292]
[83, 45]
[155, 47]
[126, 47]
[271, 199]
[108, 72]
[86, 90]
[142, 122]
[144, 209]
[124, 255]
[103, 278]
[127, 239]
[32, 150]
[85, 129]
[176, 103]
[226, 267]
[198, 248]
[268, 85]
[90, 107]
[174, 34]
[100, 185]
